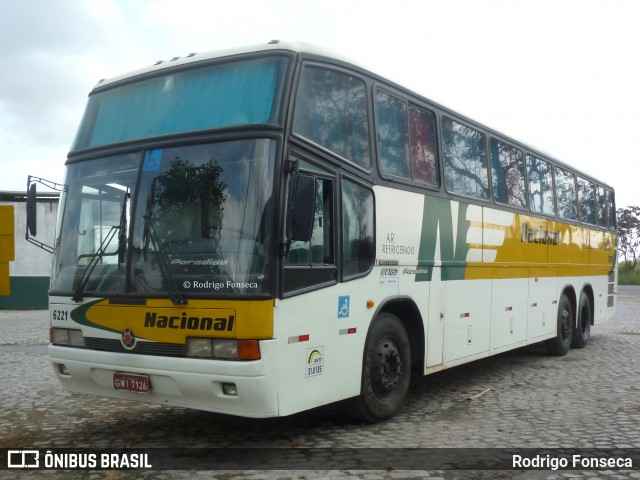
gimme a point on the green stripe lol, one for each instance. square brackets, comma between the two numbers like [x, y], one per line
[79, 315]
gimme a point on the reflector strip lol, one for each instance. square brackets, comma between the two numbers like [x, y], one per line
[465, 315]
[508, 309]
[299, 338]
[348, 331]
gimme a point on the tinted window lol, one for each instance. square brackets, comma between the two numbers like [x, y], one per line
[566, 194]
[233, 93]
[393, 136]
[465, 160]
[602, 207]
[611, 209]
[422, 135]
[407, 143]
[587, 201]
[507, 174]
[541, 196]
[331, 110]
[319, 250]
[358, 250]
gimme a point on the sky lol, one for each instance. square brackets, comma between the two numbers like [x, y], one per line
[560, 75]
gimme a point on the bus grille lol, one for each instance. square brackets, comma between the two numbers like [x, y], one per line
[142, 348]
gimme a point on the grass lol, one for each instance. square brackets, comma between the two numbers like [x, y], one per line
[627, 275]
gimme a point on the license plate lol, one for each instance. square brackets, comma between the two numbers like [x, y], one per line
[131, 382]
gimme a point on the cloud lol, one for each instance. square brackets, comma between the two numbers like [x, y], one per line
[47, 55]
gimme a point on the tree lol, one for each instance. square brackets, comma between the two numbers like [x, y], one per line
[629, 233]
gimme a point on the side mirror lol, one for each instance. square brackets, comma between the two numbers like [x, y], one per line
[32, 227]
[31, 210]
[302, 208]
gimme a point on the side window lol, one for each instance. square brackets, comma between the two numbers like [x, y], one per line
[358, 248]
[587, 201]
[331, 110]
[507, 174]
[541, 196]
[566, 194]
[422, 135]
[393, 137]
[602, 207]
[319, 250]
[406, 139]
[465, 160]
[312, 264]
[611, 209]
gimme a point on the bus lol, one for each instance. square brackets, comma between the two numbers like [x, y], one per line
[266, 230]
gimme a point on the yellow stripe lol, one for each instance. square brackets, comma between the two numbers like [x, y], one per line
[545, 247]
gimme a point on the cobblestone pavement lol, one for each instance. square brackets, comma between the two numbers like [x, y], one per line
[587, 399]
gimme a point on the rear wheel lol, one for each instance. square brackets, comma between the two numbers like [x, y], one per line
[582, 332]
[386, 370]
[561, 344]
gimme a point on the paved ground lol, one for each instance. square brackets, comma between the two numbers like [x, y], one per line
[590, 398]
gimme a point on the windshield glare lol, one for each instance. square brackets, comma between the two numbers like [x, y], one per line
[202, 222]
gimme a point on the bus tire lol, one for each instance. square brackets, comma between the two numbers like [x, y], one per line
[582, 332]
[561, 343]
[386, 370]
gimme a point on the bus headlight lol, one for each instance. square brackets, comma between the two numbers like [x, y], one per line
[199, 347]
[223, 349]
[67, 336]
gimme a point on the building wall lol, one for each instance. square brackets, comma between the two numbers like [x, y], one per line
[30, 272]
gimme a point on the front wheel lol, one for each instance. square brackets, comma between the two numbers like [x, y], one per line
[582, 332]
[386, 370]
[561, 343]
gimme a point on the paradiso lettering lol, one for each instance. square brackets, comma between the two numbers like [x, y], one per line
[183, 322]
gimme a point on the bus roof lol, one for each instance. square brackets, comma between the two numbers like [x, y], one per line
[273, 45]
[316, 50]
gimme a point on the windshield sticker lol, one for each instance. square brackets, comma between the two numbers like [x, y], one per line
[152, 160]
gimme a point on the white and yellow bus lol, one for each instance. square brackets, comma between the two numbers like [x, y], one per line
[262, 231]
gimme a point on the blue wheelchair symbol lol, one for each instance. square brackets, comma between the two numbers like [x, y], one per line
[152, 161]
[343, 306]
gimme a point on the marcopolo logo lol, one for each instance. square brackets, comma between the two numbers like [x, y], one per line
[128, 339]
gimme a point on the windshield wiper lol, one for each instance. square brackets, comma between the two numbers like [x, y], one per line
[150, 235]
[96, 257]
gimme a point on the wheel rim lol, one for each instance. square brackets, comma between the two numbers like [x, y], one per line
[387, 367]
[565, 323]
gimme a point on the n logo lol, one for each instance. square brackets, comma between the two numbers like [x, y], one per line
[444, 238]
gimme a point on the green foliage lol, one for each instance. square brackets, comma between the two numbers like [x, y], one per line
[627, 274]
[628, 227]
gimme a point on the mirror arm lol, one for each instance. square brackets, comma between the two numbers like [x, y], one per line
[58, 187]
[31, 208]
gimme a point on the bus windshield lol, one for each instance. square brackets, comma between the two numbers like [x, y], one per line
[245, 92]
[201, 220]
